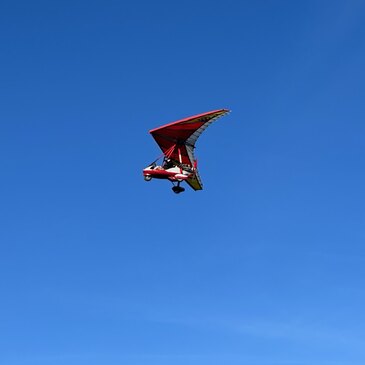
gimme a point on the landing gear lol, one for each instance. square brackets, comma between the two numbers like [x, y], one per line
[148, 177]
[178, 189]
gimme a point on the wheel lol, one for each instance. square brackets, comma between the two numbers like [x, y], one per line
[148, 177]
[178, 189]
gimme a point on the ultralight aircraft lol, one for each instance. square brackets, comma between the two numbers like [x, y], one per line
[177, 142]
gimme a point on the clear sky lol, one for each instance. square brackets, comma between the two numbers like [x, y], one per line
[265, 266]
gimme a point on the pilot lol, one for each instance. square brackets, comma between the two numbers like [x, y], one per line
[168, 164]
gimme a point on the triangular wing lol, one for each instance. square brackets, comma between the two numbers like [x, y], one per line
[195, 181]
[184, 134]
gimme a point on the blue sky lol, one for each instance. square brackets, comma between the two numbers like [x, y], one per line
[265, 266]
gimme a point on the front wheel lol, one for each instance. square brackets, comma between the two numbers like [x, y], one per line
[148, 177]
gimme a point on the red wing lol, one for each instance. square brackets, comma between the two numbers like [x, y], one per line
[183, 134]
